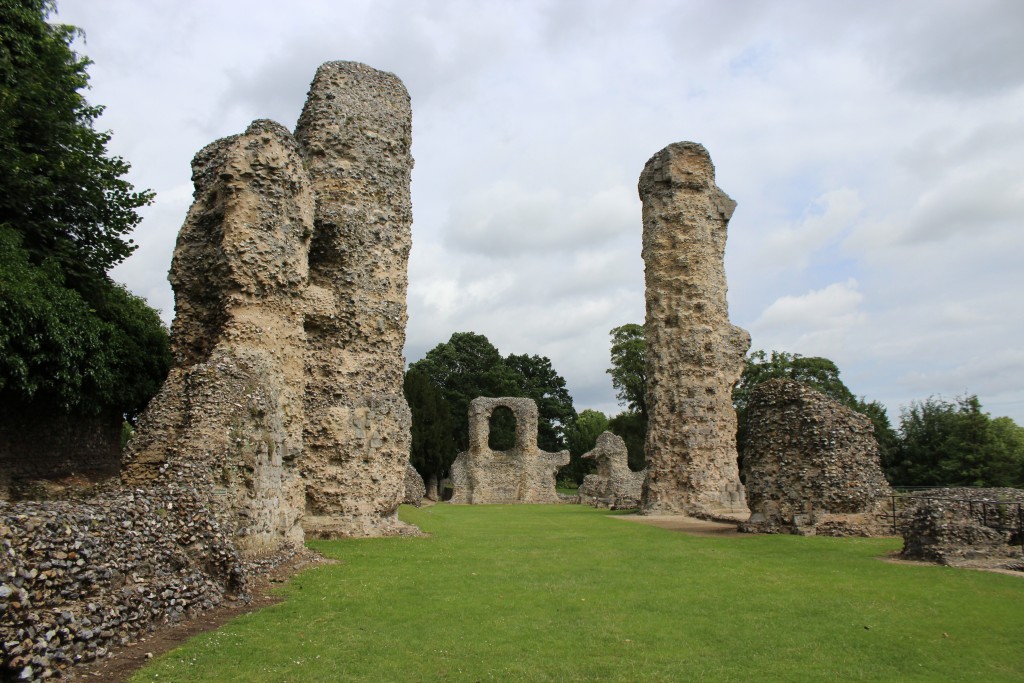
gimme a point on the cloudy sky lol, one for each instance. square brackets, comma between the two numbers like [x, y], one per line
[875, 149]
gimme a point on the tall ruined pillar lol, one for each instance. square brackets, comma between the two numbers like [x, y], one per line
[356, 133]
[694, 356]
[227, 424]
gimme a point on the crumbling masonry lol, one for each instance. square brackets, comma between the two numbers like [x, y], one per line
[356, 132]
[694, 355]
[524, 474]
[613, 485]
[285, 405]
[812, 465]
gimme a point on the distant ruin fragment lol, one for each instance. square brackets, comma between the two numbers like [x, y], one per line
[812, 465]
[694, 355]
[524, 474]
[355, 132]
[415, 489]
[613, 485]
[285, 405]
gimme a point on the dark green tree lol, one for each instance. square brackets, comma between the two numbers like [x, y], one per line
[60, 189]
[581, 437]
[629, 367]
[629, 377]
[433, 448]
[955, 443]
[463, 368]
[539, 380]
[468, 366]
[70, 338]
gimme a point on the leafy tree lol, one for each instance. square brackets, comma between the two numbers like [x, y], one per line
[70, 338]
[468, 366]
[957, 444]
[581, 437]
[629, 377]
[58, 186]
[539, 380]
[629, 369]
[433, 448]
[463, 368]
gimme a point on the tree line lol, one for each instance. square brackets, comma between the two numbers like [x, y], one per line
[71, 339]
[936, 441]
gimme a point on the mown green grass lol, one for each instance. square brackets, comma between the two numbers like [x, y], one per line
[568, 593]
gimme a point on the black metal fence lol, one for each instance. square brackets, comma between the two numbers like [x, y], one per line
[1004, 516]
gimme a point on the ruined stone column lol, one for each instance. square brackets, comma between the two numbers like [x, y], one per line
[227, 423]
[356, 133]
[694, 356]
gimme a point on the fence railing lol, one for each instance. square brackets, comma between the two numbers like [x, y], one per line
[1004, 516]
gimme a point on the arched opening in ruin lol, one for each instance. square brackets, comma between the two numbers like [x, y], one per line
[501, 429]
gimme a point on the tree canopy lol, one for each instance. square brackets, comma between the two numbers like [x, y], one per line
[468, 366]
[433, 448]
[955, 443]
[581, 437]
[629, 369]
[70, 339]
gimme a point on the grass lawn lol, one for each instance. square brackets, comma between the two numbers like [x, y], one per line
[568, 593]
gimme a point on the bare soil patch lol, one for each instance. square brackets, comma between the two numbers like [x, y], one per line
[685, 524]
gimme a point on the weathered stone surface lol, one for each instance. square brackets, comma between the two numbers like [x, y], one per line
[524, 474]
[613, 485]
[233, 402]
[80, 576]
[694, 356]
[415, 489]
[812, 465]
[355, 132]
[957, 526]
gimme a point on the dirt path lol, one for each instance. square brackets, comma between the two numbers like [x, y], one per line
[688, 525]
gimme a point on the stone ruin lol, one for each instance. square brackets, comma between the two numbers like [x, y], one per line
[232, 404]
[290, 284]
[524, 474]
[963, 527]
[284, 410]
[355, 132]
[613, 485]
[812, 465]
[694, 355]
[415, 489]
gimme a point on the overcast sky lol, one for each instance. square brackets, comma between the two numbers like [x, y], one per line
[875, 149]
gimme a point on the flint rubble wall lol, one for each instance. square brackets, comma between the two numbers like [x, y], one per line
[812, 465]
[950, 526]
[78, 577]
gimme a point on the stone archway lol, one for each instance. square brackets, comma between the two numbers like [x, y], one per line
[523, 474]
